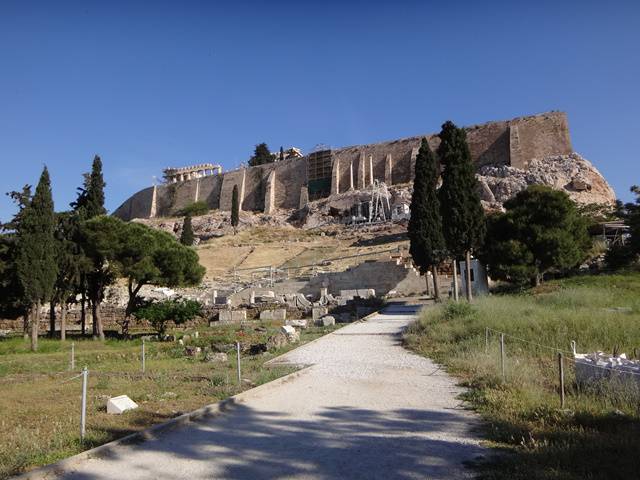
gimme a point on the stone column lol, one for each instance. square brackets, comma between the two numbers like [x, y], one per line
[414, 154]
[361, 172]
[154, 203]
[370, 169]
[351, 175]
[388, 167]
[270, 193]
[335, 177]
[195, 199]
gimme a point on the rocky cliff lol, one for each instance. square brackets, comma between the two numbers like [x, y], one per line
[570, 173]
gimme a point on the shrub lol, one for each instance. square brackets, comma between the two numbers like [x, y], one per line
[159, 314]
[194, 209]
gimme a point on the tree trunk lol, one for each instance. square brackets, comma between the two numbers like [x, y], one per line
[456, 292]
[83, 315]
[436, 287]
[468, 279]
[52, 319]
[35, 320]
[26, 325]
[97, 320]
[63, 321]
[537, 280]
[426, 280]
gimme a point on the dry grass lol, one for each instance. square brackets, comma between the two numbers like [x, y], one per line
[39, 406]
[596, 435]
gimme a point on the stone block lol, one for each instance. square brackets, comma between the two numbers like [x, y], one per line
[318, 312]
[230, 316]
[120, 404]
[326, 321]
[297, 323]
[277, 314]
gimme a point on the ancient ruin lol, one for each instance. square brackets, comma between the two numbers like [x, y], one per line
[509, 155]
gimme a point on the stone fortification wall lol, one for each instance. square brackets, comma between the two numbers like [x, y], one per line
[137, 206]
[512, 143]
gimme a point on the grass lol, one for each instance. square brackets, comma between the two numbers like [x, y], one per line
[40, 405]
[597, 434]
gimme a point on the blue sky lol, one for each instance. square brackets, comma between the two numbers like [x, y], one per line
[153, 84]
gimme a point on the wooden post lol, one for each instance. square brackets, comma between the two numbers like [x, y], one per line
[143, 357]
[502, 356]
[561, 373]
[72, 364]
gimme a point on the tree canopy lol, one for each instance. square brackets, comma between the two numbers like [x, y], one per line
[261, 155]
[427, 246]
[462, 212]
[90, 202]
[186, 237]
[36, 264]
[142, 256]
[235, 209]
[541, 231]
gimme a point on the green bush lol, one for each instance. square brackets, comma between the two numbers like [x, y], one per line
[159, 314]
[194, 209]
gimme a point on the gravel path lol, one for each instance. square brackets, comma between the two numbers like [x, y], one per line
[366, 409]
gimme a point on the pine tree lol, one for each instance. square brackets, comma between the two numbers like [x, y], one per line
[462, 213]
[186, 237]
[425, 226]
[36, 257]
[235, 209]
[281, 154]
[261, 155]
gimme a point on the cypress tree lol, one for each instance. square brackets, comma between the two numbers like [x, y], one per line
[235, 209]
[90, 204]
[186, 237]
[281, 154]
[427, 244]
[462, 213]
[90, 201]
[36, 259]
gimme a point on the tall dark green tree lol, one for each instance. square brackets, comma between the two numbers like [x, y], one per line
[462, 213]
[632, 217]
[235, 209]
[72, 263]
[35, 261]
[261, 155]
[541, 231]
[89, 204]
[187, 237]
[13, 302]
[427, 245]
[281, 154]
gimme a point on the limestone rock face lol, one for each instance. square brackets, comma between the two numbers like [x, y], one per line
[569, 173]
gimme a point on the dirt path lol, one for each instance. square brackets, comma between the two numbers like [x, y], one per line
[366, 409]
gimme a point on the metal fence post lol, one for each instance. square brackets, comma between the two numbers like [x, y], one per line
[72, 364]
[561, 373]
[238, 362]
[502, 355]
[143, 356]
[83, 412]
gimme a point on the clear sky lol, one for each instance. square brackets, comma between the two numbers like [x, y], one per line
[153, 84]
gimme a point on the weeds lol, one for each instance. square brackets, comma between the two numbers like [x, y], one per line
[596, 435]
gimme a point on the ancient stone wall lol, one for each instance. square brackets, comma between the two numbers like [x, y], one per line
[515, 142]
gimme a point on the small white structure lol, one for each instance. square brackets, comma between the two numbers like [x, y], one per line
[400, 211]
[479, 280]
[119, 405]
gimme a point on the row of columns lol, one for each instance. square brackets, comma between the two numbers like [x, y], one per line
[364, 175]
[183, 176]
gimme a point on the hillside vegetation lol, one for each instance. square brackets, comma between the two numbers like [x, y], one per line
[597, 434]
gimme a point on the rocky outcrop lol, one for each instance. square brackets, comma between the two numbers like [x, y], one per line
[570, 173]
